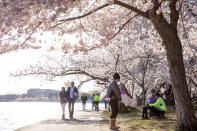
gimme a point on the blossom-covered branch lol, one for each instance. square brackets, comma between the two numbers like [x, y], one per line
[79, 17]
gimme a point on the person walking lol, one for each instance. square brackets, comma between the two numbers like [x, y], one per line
[72, 96]
[63, 100]
[92, 100]
[96, 101]
[84, 98]
[114, 96]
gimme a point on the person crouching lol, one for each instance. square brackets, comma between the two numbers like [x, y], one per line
[158, 108]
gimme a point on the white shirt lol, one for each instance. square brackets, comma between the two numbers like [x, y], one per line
[71, 92]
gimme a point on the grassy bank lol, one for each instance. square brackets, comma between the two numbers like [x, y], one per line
[132, 121]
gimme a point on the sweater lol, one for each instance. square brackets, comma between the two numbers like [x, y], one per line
[113, 92]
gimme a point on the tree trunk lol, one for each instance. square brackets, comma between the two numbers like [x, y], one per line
[139, 99]
[185, 114]
[143, 95]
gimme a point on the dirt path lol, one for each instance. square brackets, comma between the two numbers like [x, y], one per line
[83, 121]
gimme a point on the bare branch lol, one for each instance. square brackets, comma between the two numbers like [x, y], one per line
[53, 74]
[90, 35]
[82, 82]
[133, 77]
[120, 29]
[139, 12]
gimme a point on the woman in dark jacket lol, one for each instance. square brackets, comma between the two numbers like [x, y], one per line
[63, 100]
[114, 96]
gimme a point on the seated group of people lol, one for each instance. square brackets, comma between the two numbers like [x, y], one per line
[156, 105]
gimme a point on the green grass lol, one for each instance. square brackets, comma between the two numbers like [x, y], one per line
[132, 121]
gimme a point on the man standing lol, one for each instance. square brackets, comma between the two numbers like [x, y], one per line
[72, 96]
[114, 97]
[84, 98]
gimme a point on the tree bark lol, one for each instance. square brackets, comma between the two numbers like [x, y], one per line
[185, 114]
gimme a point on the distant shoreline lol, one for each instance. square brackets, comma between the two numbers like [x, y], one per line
[29, 100]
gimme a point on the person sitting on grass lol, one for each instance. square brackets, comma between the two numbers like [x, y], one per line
[158, 108]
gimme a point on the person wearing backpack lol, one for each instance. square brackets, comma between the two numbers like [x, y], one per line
[114, 96]
[72, 96]
[96, 101]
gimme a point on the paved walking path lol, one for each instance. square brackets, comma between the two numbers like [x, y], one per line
[83, 121]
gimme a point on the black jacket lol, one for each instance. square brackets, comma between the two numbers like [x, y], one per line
[84, 98]
[75, 91]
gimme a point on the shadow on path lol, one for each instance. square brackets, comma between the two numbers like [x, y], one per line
[75, 121]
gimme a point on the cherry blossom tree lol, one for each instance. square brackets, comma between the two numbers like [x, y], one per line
[141, 71]
[164, 16]
[171, 24]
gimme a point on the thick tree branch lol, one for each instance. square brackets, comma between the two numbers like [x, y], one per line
[144, 14]
[139, 12]
[53, 74]
[156, 4]
[95, 77]
[174, 14]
